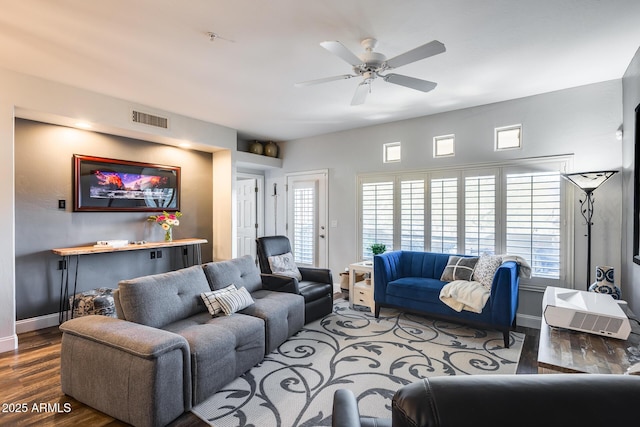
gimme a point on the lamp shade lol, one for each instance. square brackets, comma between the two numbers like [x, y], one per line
[589, 181]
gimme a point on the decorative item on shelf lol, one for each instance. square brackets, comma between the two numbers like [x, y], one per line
[111, 243]
[256, 147]
[167, 221]
[588, 182]
[271, 149]
[604, 283]
[378, 248]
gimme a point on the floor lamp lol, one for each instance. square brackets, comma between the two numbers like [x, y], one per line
[588, 182]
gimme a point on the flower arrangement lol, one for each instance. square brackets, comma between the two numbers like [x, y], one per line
[167, 221]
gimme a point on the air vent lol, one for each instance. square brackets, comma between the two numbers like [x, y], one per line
[149, 119]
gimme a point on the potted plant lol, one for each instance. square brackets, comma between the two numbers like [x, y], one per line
[378, 248]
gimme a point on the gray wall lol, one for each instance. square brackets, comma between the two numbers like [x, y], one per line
[630, 100]
[581, 121]
[43, 175]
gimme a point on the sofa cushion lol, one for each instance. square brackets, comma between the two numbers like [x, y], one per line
[234, 301]
[160, 299]
[282, 312]
[459, 268]
[222, 348]
[211, 299]
[239, 271]
[420, 264]
[486, 269]
[416, 288]
[284, 265]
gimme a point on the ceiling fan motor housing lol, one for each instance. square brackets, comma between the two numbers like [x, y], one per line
[371, 61]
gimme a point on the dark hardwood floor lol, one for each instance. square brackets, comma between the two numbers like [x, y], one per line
[31, 375]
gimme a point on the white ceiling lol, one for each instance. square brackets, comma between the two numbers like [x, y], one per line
[157, 53]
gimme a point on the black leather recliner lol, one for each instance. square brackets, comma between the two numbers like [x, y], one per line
[553, 400]
[316, 285]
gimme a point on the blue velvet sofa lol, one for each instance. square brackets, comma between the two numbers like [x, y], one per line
[411, 280]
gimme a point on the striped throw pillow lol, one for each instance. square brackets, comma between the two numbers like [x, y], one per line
[234, 301]
[211, 299]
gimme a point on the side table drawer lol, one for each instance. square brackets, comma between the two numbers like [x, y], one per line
[363, 295]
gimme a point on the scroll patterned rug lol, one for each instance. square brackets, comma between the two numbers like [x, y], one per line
[294, 385]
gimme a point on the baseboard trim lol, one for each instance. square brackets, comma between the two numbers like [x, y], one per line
[9, 343]
[35, 323]
[528, 321]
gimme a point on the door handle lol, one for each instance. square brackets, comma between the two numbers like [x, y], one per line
[321, 236]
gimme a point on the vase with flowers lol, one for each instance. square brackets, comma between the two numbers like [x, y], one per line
[167, 221]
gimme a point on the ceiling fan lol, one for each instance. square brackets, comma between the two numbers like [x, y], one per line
[370, 65]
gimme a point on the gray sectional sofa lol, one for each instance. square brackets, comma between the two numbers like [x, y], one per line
[165, 352]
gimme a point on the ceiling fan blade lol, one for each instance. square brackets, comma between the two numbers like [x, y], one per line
[426, 50]
[324, 80]
[361, 93]
[410, 82]
[341, 51]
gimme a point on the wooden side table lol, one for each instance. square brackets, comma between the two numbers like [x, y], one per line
[361, 293]
[566, 351]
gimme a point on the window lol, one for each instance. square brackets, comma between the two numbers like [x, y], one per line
[391, 152]
[444, 215]
[508, 137]
[304, 224]
[412, 215]
[444, 146]
[377, 215]
[533, 221]
[480, 214]
[516, 208]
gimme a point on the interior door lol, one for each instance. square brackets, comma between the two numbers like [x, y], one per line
[307, 218]
[248, 224]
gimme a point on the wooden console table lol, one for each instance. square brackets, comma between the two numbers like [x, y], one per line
[566, 351]
[67, 253]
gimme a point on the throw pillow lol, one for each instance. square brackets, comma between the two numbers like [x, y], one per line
[486, 269]
[284, 265]
[211, 299]
[235, 301]
[459, 268]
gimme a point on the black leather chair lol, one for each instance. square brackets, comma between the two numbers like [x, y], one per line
[316, 285]
[554, 400]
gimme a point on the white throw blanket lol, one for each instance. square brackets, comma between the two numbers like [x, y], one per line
[525, 268]
[465, 295]
[472, 296]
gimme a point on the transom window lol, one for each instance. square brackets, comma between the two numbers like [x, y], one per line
[508, 137]
[444, 146]
[391, 152]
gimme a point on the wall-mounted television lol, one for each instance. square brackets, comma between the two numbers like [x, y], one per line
[636, 189]
[102, 184]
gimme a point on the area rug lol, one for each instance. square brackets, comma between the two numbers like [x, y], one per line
[294, 385]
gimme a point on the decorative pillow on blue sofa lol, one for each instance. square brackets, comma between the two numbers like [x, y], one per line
[459, 268]
[486, 268]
